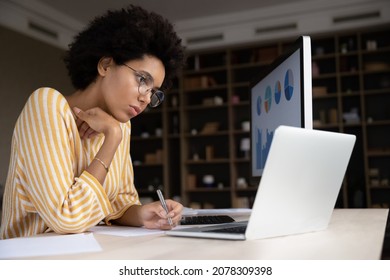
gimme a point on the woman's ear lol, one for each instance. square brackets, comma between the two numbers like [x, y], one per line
[104, 64]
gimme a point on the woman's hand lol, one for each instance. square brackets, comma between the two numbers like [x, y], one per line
[94, 121]
[153, 215]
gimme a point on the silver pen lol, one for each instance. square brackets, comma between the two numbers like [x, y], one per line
[164, 205]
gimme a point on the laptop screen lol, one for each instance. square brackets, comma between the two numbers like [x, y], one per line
[280, 96]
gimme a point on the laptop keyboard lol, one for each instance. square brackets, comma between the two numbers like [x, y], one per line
[203, 220]
[235, 230]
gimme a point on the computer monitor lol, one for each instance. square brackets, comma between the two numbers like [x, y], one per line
[281, 95]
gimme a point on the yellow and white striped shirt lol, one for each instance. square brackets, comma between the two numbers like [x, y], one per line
[47, 187]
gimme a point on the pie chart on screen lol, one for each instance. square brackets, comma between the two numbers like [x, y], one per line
[288, 84]
[278, 92]
[268, 99]
[258, 105]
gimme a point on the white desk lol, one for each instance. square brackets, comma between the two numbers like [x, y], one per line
[352, 234]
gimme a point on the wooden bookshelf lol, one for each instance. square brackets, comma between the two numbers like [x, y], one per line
[202, 120]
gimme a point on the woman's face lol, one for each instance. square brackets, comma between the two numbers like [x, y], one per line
[121, 82]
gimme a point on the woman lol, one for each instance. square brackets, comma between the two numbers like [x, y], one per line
[70, 162]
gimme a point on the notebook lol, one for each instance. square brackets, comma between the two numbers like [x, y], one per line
[298, 190]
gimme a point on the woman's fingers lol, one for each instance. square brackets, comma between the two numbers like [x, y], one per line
[83, 129]
[89, 133]
[93, 134]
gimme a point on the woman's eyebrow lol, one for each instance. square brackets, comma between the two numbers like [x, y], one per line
[147, 75]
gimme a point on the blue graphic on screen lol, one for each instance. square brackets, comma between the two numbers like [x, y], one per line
[288, 84]
[268, 99]
[271, 108]
[258, 104]
[263, 148]
[278, 92]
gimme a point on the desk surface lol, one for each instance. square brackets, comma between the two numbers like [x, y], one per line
[352, 234]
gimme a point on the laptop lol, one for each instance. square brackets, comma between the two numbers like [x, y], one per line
[298, 190]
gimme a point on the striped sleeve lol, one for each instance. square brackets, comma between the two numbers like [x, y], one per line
[127, 194]
[66, 203]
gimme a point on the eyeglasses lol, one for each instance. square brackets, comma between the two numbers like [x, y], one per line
[145, 87]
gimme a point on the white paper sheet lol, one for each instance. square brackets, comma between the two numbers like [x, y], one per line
[125, 231]
[48, 245]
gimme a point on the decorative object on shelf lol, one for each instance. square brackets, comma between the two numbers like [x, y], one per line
[333, 116]
[208, 205]
[316, 123]
[209, 152]
[344, 48]
[194, 131]
[242, 202]
[194, 153]
[199, 82]
[348, 46]
[235, 99]
[242, 183]
[319, 91]
[154, 158]
[195, 205]
[245, 125]
[210, 127]
[351, 117]
[373, 172]
[213, 101]
[376, 66]
[329, 117]
[377, 179]
[371, 45]
[245, 146]
[208, 180]
[158, 131]
[208, 101]
[218, 100]
[191, 181]
[145, 134]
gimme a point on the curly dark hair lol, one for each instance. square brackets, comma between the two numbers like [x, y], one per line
[126, 34]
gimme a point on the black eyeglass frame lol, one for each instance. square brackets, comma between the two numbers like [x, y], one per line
[156, 97]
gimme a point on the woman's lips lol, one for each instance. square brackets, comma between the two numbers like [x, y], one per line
[134, 110]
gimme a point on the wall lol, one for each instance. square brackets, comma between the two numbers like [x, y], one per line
[255, 25]
[25, 64]
[282, 21]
